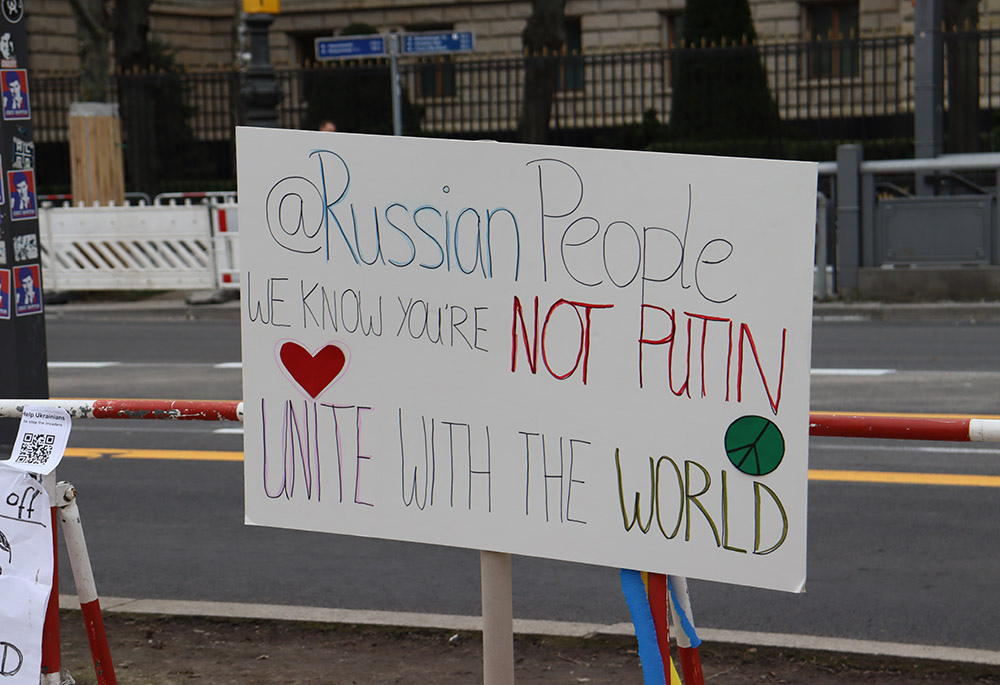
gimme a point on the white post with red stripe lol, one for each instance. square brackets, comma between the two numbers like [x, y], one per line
[86, 588]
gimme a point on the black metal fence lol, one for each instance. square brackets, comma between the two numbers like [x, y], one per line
[178, 127]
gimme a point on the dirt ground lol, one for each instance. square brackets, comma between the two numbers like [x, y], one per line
[166, 650]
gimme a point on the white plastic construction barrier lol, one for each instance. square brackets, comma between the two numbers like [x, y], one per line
[103, 248]
[225, 240]
[207, 197]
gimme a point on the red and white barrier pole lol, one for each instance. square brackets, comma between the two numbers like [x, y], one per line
[171, 410]
[905, 427]
[86, 588]
[840, 424]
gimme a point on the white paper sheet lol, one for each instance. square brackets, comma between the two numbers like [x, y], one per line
[41, 439]
[25, 575]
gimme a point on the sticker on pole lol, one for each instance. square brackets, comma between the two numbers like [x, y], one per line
[41, 439]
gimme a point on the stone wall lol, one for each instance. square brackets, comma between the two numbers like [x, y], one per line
[202, 32]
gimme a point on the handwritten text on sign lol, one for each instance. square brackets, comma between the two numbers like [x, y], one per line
[26, 566]
[585, 355]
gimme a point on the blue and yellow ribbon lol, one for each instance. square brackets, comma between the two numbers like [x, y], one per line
[655, 663]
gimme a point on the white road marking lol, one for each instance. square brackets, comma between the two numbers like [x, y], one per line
[81, 365]
[852, 372]
[905, 448]
[103, 365]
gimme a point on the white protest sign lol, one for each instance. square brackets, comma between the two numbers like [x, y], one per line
[41, 439]
[25, 575]
[590, 355]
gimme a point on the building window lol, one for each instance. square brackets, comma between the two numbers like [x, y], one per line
[436, 74]
[833, 32]
[571, 67]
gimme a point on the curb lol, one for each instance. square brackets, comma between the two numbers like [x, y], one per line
[400, 619]
[972, 312]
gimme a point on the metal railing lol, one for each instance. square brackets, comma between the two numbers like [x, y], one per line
[849, 234]
[178, 127]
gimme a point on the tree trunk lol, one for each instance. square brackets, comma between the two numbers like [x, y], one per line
[961, 18]
[543, 38]
[132, 34]
[92, 26]
[136, 94]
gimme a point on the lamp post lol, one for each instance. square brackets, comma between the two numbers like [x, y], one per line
[260, 91]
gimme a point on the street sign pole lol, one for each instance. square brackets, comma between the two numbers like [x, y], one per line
[397, 88]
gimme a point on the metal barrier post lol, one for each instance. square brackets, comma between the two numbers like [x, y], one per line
[820, 291]
[848, 216]
[86, 588]
[868, 200]
[928, 83]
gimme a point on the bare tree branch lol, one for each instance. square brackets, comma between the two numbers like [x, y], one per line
[84, 15]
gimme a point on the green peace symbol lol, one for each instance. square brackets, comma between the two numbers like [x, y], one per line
[754, 445]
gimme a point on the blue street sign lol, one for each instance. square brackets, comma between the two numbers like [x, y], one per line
[437, 43]
[351, 47]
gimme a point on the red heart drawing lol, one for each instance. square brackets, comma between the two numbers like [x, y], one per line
[314, 373]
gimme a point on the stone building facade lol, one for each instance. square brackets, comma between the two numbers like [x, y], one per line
[204, 33]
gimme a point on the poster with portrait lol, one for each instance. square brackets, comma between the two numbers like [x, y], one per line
[8, 60]
[27, 290]
[14, 90]
[5, 297]
[21, 186]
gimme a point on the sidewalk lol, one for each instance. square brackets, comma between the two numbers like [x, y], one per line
[167, 650]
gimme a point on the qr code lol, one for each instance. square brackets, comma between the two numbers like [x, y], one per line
[36, 448]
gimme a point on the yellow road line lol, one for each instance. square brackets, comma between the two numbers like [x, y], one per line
[902, 478]
[127, 453]
[891, 477]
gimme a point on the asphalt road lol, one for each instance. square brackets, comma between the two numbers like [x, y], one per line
[887, 562]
